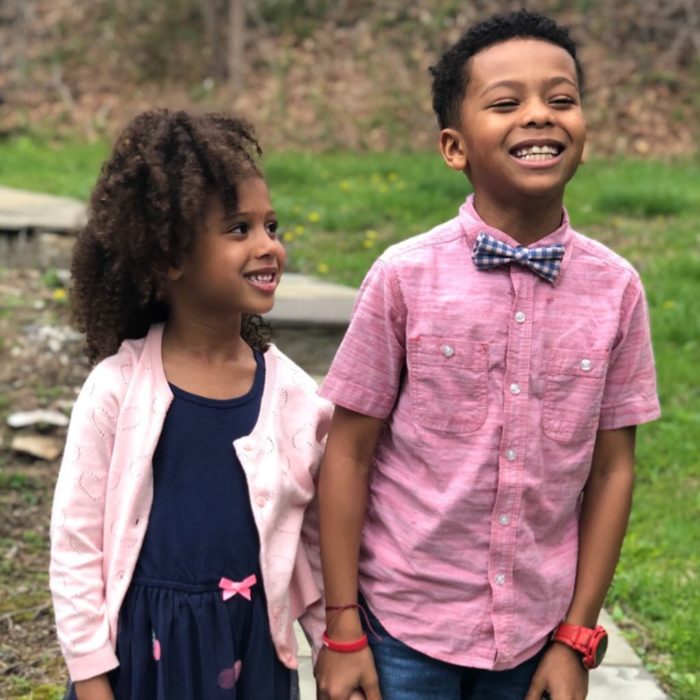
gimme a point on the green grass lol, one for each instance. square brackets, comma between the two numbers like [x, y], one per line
[339, 211]
[44, 165]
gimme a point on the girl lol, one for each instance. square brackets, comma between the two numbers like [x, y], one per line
[181, 547]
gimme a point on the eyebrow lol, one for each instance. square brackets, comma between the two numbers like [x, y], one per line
[239, 214]
[515, 84]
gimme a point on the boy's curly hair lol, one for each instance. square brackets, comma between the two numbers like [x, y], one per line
[451, 74]
[145, 211]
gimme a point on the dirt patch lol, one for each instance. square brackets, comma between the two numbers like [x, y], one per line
[41, 367]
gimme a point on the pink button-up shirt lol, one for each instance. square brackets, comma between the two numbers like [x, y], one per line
[493, 385]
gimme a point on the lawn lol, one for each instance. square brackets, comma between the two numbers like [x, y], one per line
[339, 211]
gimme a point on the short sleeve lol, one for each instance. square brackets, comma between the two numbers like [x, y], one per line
[630, 396]
[366, 372]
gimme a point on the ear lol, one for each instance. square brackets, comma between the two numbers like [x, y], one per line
[173, 274]
[453, 149]
[585, 154]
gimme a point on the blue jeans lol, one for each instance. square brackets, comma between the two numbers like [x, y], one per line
[406, 674]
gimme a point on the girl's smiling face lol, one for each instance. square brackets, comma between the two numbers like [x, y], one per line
[237, 259]
[522, 131]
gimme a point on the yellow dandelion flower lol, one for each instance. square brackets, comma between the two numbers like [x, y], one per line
[299, 229]
[370, 233]
[314, 216]
[368, 243]
[345, 185]
[59, 294]
[670, 304]
[322, 268]
[288, 236]
[392, 177]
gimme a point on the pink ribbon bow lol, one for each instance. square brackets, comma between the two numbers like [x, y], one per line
[231, 588]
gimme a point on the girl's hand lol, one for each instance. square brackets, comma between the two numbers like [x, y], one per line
[97, 688]
[559, 676]
[346, 676]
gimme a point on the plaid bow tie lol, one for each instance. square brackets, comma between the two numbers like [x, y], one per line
[489, 252]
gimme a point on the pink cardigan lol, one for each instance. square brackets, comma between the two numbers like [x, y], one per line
[105, 489]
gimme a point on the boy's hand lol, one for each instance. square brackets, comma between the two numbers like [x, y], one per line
[559, 676]
[346, 676]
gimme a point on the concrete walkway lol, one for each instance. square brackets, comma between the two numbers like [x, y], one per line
[43, 212]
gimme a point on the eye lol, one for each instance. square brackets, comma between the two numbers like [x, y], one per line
[563, 101]
[239, 229]
[271, 228]
[505, 105]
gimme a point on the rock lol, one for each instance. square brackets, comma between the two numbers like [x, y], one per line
[47, 448]
[65, 404]
[22, 419]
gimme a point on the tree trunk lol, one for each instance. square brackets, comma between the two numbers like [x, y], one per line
[236, 43]
[212, 12]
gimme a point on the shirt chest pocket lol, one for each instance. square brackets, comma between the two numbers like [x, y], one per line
[573, 394]
[448, 383]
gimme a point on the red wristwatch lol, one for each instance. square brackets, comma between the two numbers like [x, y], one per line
[590, 643]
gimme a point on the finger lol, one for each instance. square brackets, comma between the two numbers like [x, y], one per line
[371, 691]
[537, 691]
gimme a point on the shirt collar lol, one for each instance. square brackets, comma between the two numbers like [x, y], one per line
[473, 225]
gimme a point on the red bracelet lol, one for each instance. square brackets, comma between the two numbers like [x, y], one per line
[344, 647]
[335, 609]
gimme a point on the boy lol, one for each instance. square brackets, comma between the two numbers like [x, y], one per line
[491, 377]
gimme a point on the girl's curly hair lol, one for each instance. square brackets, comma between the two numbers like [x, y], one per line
[145, 211]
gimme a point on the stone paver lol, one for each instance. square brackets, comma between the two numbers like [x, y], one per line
[302, 301]
[20, 210]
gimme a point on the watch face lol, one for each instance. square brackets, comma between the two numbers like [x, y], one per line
[601, 648]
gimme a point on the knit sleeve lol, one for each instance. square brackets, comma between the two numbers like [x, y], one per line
[77, 526]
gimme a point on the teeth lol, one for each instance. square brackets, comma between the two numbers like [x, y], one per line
[536, 152]
[262, 278]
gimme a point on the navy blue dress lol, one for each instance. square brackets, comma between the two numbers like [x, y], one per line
[177, 636]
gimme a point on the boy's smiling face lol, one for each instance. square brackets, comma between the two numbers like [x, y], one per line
[522, 130]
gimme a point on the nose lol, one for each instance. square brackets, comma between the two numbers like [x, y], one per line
[266, 246]
[537, 114]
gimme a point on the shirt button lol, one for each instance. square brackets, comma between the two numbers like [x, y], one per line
[504, 519]
[511, 455]
[586, 365]
[447, 350]
[520, 317]
[515, 388]
[500, 579]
